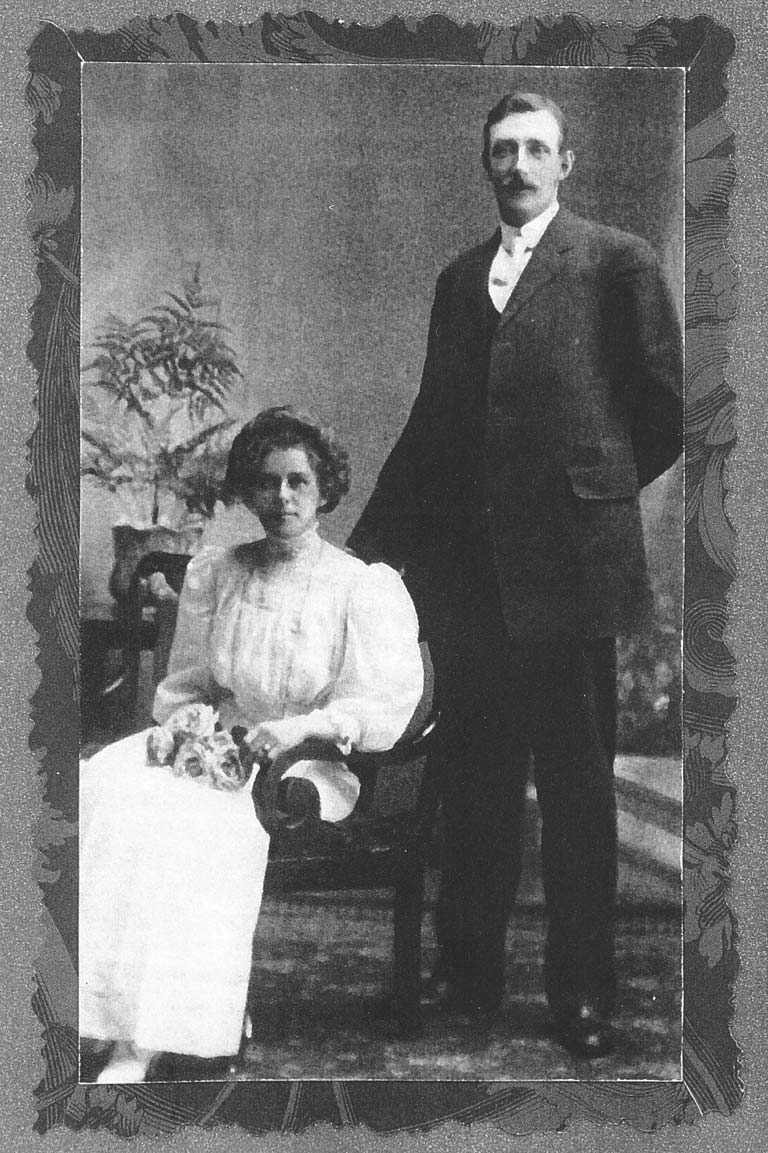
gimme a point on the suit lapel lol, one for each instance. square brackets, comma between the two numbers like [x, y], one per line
[475, 274]
[544, 265]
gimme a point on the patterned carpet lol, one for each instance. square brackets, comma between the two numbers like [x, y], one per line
[319, 959]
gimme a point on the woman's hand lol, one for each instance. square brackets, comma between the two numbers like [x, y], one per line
[268, 742]
[272, 739]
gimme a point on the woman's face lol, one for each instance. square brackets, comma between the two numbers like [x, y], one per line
[285, 494]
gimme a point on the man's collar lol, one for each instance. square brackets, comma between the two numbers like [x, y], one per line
[531, 232]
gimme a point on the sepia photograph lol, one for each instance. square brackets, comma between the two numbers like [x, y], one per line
[381, 573]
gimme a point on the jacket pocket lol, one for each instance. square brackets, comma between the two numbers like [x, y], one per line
[609, 480]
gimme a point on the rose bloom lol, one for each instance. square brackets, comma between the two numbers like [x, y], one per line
[191, 759]
[226, 769]
[193, 721]
[160, 746]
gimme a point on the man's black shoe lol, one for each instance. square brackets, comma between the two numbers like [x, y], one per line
[586, 1032]
[446, 997]
[438, 993]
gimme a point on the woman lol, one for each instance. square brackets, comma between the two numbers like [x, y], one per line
[291, 638]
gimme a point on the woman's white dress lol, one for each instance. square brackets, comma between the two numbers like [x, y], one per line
[171, 869]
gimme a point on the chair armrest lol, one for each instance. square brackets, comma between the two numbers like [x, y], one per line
[418, 743]
[410, 747]
[294, 803]
[287, 804]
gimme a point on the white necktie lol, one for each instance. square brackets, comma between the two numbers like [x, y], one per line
[506, 270]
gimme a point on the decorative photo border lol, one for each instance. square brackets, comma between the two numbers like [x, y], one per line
[711, 1082]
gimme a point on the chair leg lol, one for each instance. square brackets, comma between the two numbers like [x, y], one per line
[238, 1062]
[409, 900]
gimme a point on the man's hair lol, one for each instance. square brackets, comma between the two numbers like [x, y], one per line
[282, 427]
[521, 102]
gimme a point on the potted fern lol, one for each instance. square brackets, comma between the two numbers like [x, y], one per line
[154, 426]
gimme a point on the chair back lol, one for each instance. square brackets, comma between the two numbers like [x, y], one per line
[147, 622]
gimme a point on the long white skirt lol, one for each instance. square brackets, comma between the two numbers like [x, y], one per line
[171, 879]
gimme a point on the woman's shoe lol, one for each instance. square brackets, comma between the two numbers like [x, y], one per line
[127, 1065]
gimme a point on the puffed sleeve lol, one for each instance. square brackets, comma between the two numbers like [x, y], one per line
[189, 678]
[382, 674]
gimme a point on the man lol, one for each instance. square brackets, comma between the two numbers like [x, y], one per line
[551, 393]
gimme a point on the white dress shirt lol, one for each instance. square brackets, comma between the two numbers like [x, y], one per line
[513, 255]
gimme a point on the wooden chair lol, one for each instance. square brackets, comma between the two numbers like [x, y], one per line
[144, 622]
[369, 850]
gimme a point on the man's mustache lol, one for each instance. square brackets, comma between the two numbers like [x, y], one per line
[515, 185]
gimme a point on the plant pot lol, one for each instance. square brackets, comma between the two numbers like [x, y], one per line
[131, 544]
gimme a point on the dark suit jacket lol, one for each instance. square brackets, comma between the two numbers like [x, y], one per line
[543, 427]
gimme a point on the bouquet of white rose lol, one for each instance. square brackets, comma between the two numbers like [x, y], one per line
[192, 743]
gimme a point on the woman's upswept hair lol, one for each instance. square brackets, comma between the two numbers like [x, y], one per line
[284, 426]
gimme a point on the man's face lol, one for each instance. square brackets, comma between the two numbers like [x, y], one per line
[525, 164]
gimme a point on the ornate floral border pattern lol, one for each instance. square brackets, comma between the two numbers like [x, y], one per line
[711, 1058]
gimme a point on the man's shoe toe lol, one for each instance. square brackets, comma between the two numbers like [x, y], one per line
[587, 1033]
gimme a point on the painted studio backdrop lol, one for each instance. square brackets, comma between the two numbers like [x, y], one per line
[318, 204]
[322, 201]
[311, 207]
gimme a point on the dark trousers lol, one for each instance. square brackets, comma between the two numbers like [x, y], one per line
[549, 698]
